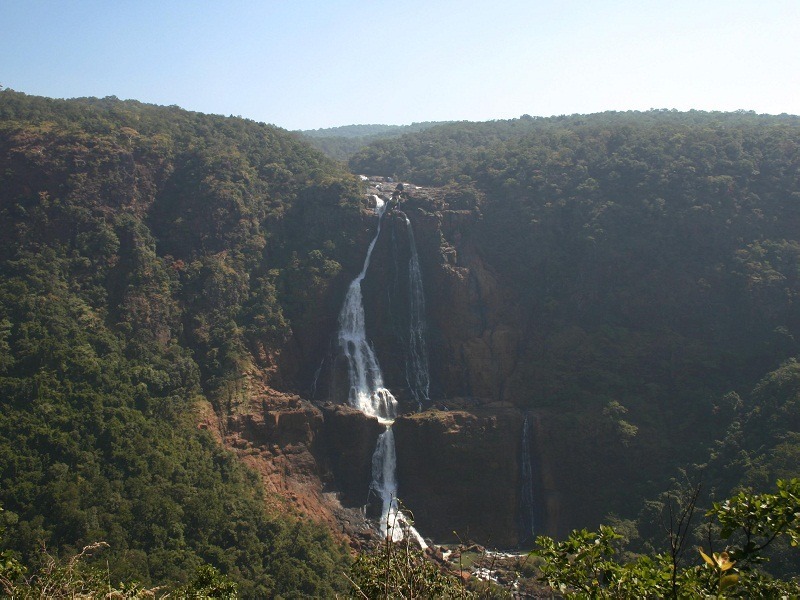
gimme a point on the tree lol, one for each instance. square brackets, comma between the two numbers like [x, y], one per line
[401, 570]
[584, 564]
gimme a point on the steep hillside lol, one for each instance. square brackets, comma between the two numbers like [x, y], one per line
[152, 261]
[608, 299]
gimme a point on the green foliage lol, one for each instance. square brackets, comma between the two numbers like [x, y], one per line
[141, 253]
[585, 564]
[78, 577]
[10, 568]
[396, 570]
[208, 583]
[653, 261]
[759, 518]
[761, 443]
[67, 579]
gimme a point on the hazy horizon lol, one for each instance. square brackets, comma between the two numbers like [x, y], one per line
[303, 65]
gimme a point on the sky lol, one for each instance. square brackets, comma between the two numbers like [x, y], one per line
[303, 64]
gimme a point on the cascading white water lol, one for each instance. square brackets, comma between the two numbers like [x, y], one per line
[368, 394]
[417, 373]
[526, 485]
[316, 377]
[384, 482]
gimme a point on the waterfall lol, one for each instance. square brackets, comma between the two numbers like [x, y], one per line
[384, 482]
[417, 374]
[316, 377]
[526, 514]
[368, 394]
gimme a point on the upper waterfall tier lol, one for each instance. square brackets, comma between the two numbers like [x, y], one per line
[367, 392]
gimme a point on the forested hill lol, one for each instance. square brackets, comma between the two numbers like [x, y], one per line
[632, 280]
[447, 151]
[340, 143]
[146, 255]
[656, 260]
[365, 131]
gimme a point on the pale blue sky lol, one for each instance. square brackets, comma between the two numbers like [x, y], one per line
[304, 64]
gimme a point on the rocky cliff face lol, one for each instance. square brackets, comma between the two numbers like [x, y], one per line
[313, 461]
[458, 472]
[458, 469]
[458, 461]
[474, 321]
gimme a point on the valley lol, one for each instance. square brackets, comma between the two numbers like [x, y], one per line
[204, 334]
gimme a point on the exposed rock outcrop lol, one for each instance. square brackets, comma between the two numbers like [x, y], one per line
[458, 472]
[349, 442]
[313, 461]
[475, 325]
[458, 463]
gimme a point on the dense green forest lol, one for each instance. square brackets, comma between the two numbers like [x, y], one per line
[142, 250]
[656, 258]
[153, 261]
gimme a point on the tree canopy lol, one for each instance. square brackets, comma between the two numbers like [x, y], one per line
[142, 250]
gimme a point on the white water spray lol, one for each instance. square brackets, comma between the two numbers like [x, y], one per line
[316, 377]
[368, 394]
[417, 374]
[527, 532]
